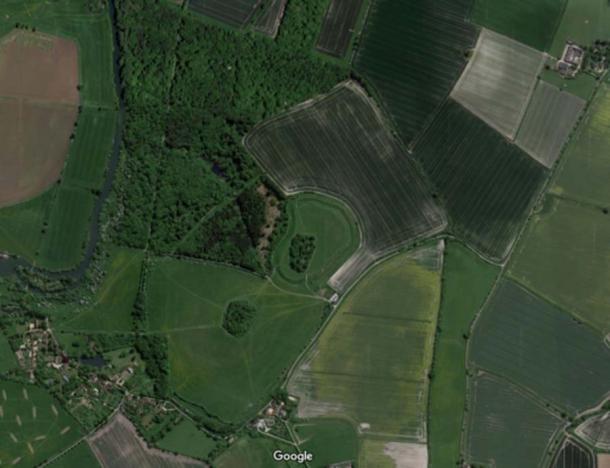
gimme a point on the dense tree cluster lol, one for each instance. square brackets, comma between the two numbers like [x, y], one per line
[153, 351]
[192, 91]
[301, 251]
[238, 318]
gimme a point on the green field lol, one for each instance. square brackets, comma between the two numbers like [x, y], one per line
[33, 425]
[78, 457]
[339, 144]
[467, 280]
[371, 362]
[532, 22]
[68, 232]
[584, 21]
[253, 453]
[413, 81]
[565, 257]
[336, 233]
[583, 175]
[111, 307]
[7, 357]
[582, 86]
[330, 440]
[505, 427]
[91, 148]
[487, 183]
[541, 348]
[186, 302]
[187, 440]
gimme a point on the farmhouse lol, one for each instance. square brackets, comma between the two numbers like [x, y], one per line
[571, 60]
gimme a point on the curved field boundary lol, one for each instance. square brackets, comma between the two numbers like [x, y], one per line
[338, 144]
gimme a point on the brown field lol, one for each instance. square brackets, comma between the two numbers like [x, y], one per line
[38, 107]
[603, 460]
[117, 445]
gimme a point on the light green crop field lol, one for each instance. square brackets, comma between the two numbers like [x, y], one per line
[467, 280]
[68, 232]
[583, 22]
[329, 440]
[187, 440]
[584, 174]
[33, 426]
[565, 257]
[231, 377]
[507, 429]
[371, 362]
[21, 225]
[254, 453]
[532, 22]
[582, 86]
[337, 237]
[80, 456]
[7, 357]
[541, 348]
[91, 148]
[112, 304]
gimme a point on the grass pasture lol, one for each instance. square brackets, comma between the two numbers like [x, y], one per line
[330, 440]
[412, 81]
[507, 429]
[492, 88]
[338, 144]
[583, 174]
[565, 256]
[186, 302]
[338, 26]
[584, 21]
[78, 457]
[541, 348]
[336, 233]
[187, 440]
[371, 362]
[254, 453]
[548, 122]
[7, 357]
[467, 280]
[487, 183]
[232, 12]
[112, 305]
[33, 425]
[531, 22]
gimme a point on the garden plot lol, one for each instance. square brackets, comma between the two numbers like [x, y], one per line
[371, 362]
[550, 118]
[499, 81]
[539, 347]
[338, 144]
[506, 428]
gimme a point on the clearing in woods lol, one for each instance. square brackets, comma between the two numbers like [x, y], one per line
[389, 317]
[187, 439]
[36, 116]
[269, 19]
[233, 12]
[28, 436]
[499, 81]
[338, 144]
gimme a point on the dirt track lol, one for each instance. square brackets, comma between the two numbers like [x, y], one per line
[38, 107]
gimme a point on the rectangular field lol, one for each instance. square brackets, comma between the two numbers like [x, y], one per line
[467, 280]
[371, 362]
[269, 20]
[506, 428]
[564, 257]
[187, 439]
[233, 12]
[412, 53]
[7, 356]
[539, 347]
[499, 81]
[584, 173]
[532, 22]
[548, 122]
[338, 27]
[487, 183]
[338, 144]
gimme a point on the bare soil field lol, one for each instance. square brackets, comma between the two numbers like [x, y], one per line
[603, 460]
[118, 445]
[38, 107]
